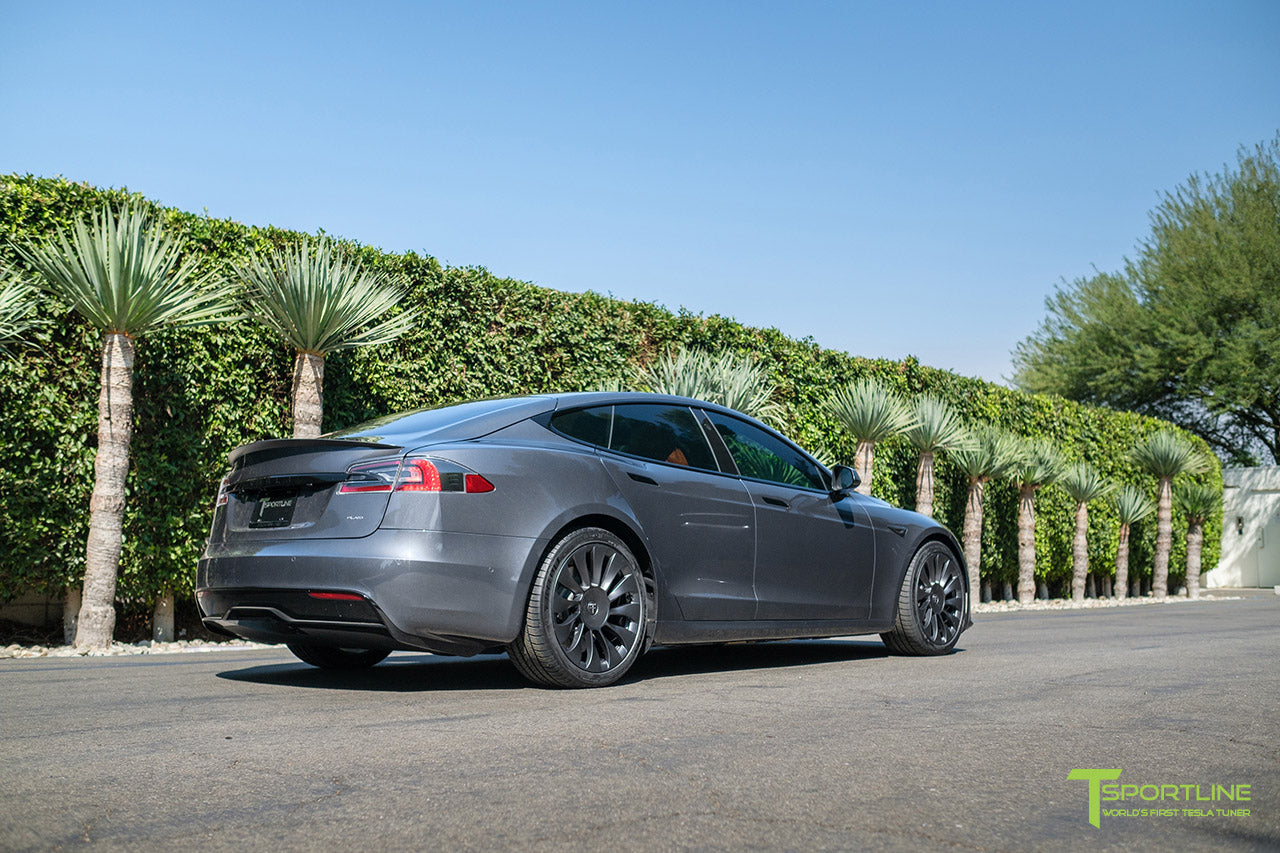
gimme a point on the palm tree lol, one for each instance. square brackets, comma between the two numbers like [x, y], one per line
[1164, 455]
[995, 454]
[724, 378]
[1132, 505]
[1197, 502]
[1083, 483]
[1041, 465]
[937, 427]
[317, 301]
[125, 275]
[17, 304]
[869, 412]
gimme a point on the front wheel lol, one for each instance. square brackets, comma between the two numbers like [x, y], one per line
[931, 604]
[331, 657]
[585, 621]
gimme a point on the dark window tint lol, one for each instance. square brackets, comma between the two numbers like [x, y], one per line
[763, 456]
[589, 425]
[662, 433]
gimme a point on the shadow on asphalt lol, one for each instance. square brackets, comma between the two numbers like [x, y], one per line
[404, 673]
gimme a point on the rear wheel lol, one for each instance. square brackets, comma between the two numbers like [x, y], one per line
[331, 657]
[585, 622]
[931, 604]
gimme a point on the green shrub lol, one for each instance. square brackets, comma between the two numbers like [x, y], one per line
[199, 394]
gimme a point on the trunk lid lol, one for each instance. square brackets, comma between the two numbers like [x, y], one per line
[293, 489]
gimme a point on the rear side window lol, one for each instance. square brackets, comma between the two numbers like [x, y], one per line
[661, 433]
[763, 456]
[589, 425]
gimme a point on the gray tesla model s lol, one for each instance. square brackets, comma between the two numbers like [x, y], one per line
[572, 531]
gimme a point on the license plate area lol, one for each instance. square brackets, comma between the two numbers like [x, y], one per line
[273, 511]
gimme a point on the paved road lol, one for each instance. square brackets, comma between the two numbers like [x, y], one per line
[811, 745]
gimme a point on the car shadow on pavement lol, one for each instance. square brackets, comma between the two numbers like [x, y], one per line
[410, 672]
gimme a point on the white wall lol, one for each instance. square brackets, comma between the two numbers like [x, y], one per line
[1250, 529]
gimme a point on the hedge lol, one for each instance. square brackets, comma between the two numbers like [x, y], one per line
[200, 393]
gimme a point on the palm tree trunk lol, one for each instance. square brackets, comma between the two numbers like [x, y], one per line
[1164, 539]
[308, 386]
[863, 459]
[1080, 552]
[973, 537]
[1122, 564]
[1026, 544]
[97, 621]
[1195, 543]
[924, 484]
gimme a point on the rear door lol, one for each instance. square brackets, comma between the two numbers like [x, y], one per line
[815, 557]
[698, 521]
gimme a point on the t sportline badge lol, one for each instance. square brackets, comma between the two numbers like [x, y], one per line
[1173, 800]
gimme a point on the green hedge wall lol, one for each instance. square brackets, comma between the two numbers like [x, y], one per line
[198, 394]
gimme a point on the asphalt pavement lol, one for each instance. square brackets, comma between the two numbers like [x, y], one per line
[817, 745]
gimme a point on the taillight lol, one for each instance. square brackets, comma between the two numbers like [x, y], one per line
[415, 474]
[418, 475]
[223, 494]
[371, 477]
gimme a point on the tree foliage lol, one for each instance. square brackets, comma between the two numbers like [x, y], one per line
[1189, 330]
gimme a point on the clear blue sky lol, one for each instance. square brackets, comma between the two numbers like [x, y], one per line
[889, 178]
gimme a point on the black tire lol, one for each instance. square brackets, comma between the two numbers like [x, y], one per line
[332, 657]
[931, 604]
[586, 620]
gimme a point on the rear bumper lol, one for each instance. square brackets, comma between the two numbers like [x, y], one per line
[449, 592]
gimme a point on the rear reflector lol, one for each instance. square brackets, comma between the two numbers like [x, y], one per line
[336, 596]
[476, 483]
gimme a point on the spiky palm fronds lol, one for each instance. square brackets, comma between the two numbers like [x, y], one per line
[723, 378]
[17, 307]
[1164, 455]
[937, 427]
[125, 274]
[1040, 464]
[1133, 504]
[869, 412]
[682, 373]
[994, 454]
[1197, 501]
[319, 301]
[1083, 483]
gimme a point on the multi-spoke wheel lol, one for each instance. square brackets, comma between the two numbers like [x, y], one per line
[329, 657]
[585, 622]
[931, 604]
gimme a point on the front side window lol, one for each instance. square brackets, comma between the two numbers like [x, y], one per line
[763, 456]
[661, 433]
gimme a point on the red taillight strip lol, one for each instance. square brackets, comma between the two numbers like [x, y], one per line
[336, 596]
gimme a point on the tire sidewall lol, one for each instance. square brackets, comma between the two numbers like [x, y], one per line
[542, 617]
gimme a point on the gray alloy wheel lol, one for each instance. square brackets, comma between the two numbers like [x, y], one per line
[329, 657]
[931, 604]
[585, 622]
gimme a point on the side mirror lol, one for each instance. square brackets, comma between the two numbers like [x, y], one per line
[843, 480]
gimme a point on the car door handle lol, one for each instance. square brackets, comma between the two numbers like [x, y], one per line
[641, 478]
[775, 501]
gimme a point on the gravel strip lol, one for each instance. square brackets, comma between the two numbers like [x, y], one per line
[1068, 604]
[146, 647]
